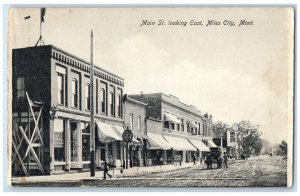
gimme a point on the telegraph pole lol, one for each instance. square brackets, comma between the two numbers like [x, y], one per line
[92, 120]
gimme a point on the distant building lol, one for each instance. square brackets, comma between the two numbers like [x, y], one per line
[175, 131]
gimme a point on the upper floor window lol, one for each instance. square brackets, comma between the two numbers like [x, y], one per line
[60, 89]
[102, 97]
[119, 103]
[111, 101]
[182, 125]
[139, 124]
[75, 93]
[131, 121]
[20, 87]
[87, 96]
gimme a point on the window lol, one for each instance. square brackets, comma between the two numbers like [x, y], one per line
[166, 124]
[111, 101]
[139, 124]
[172, 126]
[131, 121]
[59, 140]
[182, 125]
[102, 100]
[86, 142]
[20, 87]
[97, 105]
[74, 142]
[119, 106]
[75, 93]
[87, 96]
[60, 89]
[199, 129]
[178, 127]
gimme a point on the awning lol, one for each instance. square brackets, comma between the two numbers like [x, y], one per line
[210, 143]
[199, 145]
[120, 131]
[180, 143]
[171, 118]
[192, 125]
[157, 142]
[107, 133]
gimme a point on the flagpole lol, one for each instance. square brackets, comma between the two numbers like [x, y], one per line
[92, 120]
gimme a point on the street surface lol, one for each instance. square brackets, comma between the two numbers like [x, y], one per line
[261, 171]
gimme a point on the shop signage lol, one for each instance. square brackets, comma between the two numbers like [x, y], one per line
[127, 135]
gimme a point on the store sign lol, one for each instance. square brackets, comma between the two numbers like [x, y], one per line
[127, 135]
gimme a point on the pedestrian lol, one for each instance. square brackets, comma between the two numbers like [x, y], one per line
[106, 169]
[208, 160]
[194, 159]
[225, 157]
[161, 161]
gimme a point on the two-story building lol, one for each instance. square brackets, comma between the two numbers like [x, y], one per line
[174, 129]
[51, 112]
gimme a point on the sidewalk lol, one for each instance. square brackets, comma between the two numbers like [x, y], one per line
[80, 176]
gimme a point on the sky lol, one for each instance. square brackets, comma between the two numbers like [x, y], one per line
[232, 72]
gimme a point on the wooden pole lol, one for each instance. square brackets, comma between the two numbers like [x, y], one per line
[92, 121]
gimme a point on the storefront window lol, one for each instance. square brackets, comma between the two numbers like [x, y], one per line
[59, 140]
[86, 142]
[73, 141]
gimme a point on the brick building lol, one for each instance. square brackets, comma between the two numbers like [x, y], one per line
[175, 131]
[51, 112]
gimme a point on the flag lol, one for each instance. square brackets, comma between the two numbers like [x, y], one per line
[43, 11]
[27, 17]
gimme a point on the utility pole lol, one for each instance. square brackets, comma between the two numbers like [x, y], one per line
[92, 120]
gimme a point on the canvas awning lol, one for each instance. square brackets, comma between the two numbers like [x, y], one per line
[120, 131]
[210, 143]
[107, 133]
[192, 125]
[171, 118]
[157, 142]
[199, 145]
[180, 144]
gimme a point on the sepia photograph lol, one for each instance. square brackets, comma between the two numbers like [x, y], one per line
[139, 97]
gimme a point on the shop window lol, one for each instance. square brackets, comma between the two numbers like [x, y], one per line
[167, 125]
[20, 87]
[59, 140]
[172, 126]
[74, 142]
[86, 142]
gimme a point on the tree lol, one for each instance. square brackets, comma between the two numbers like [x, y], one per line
[248, 138]
[220, 131]
[283, 148]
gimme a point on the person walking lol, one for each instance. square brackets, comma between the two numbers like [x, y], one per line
[194, 159]
[106, 169]
[225, 157]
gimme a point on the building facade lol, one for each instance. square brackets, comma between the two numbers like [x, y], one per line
[175, 131]
[51, 112]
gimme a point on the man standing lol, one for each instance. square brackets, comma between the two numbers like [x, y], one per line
[225, 157]
[194, 158]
